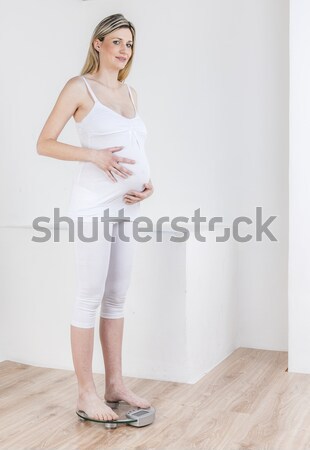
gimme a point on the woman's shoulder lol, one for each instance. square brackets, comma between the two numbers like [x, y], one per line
[75, 82]
[75, 87]
[134, 93]
[132, 89]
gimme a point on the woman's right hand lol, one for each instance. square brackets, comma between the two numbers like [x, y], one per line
[109, 163]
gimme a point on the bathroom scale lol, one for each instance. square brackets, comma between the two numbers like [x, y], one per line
[128, 415]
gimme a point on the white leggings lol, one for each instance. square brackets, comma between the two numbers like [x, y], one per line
[103, 270]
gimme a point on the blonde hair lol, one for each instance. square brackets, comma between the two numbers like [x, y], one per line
[106, 26]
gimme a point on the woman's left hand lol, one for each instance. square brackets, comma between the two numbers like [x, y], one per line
[135, 196]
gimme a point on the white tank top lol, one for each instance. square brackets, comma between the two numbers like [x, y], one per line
[93, 191]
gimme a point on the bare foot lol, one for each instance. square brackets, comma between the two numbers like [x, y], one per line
[95, 407]
[118, 393]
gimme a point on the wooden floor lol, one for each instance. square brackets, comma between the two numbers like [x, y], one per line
[249, 401]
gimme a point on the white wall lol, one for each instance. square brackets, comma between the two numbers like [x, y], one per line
[180, 317]
[299, 250]
[212, 82]
[262, 175]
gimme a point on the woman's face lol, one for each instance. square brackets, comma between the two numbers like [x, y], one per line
[116, 48]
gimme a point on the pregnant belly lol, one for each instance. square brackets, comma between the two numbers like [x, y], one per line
[101, 187]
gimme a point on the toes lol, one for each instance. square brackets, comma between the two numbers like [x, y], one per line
[106, 416]
[111, 414]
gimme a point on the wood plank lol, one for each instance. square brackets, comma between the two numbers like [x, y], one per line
[248, 401]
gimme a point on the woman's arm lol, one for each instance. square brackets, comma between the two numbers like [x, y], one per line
[69, 100]
[132, 197]
[65, 106]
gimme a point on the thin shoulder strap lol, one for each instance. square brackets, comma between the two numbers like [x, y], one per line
[131, 96]
[90, 90]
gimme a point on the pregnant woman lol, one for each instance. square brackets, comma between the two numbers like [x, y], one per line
[113, 175]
